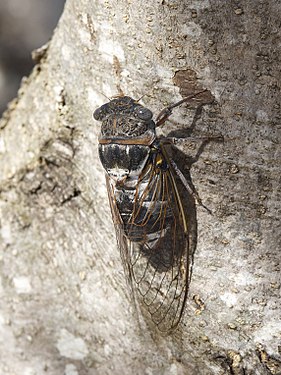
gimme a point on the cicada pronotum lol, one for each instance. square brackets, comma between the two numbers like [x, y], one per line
[147, 207]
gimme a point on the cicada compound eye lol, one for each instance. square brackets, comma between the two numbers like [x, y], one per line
[144, 113]
[99, 114]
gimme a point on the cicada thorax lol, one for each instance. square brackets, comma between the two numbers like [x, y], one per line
[123, 161]
[127, 133]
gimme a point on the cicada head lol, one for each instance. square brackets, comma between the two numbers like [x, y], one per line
[124, 117]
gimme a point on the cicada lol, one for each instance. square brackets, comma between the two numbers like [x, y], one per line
[147, 207]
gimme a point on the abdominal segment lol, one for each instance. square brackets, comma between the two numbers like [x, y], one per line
[148, 213]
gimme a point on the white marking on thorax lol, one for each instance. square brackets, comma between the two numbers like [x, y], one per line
[117, 173]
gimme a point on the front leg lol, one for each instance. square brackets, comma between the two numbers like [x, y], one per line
[167, 111]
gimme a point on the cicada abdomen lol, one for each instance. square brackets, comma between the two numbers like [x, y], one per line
[147, 209]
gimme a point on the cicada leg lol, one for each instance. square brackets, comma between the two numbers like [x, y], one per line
[192, 191]
[160, 119]
[167, 111]
[174, 141]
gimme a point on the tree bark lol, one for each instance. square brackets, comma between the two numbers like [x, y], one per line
[64, 301]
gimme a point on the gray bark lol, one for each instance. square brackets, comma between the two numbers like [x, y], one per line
[64, 304]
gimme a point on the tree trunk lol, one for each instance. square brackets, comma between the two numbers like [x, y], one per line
[64, 304]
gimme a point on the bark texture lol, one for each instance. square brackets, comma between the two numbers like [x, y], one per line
[64, 304]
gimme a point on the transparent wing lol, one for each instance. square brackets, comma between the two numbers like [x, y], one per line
[154, 243]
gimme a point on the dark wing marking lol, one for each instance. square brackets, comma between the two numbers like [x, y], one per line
[154, 244]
